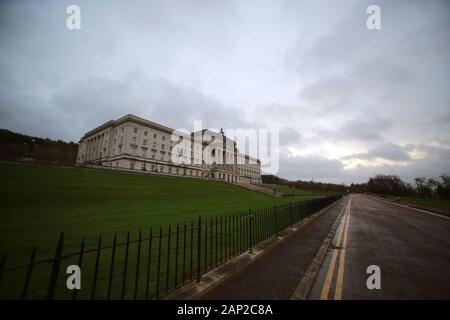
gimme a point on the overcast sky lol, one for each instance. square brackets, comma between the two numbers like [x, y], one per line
[350, 102]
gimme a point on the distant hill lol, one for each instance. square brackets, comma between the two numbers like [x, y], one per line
[303, 185]
[19, 147]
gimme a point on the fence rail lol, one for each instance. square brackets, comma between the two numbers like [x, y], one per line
[156, 262]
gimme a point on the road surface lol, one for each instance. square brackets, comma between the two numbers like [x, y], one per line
[411, 248]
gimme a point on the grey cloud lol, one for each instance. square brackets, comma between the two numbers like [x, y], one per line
[416, 168]
[326, 170]
[98, 100]
[328, 93]
[319, 168]
[311, 167]
[168, 99]
[368, 130]
[94, 101]
[439, 153]
[290, 136]
[388, 151]
[398, 71]
[16, 115]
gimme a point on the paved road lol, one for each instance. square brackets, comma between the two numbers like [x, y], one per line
[276, 274]
[411, 248]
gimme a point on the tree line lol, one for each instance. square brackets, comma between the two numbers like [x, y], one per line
[18, 147]
[423, 187]
[304, 185]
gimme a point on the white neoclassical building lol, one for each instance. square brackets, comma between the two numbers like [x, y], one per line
[135, 144]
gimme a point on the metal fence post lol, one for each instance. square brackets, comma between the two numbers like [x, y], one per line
[211, 244]
[215, 242]
[158, 268]
[234, 235]
[199, 238]
[184, 252]
[221, 240]
[2, 265]
[168, 258]
[55, 269]
[206, 244]
[176, 256]
[241, 233]
[138, 265]
[290, 215]
[111, 267]
[125, 267]
[250, 227]
[191, 252]
[275, 217]
[149, 262]
[97, 261]
[80, 262]
[29, 271]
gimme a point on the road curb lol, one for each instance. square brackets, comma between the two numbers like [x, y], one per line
[310, 275]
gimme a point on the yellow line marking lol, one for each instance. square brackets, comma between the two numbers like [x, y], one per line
[340, 276]
[329, 276]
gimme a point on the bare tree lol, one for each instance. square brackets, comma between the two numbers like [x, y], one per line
[420, 185]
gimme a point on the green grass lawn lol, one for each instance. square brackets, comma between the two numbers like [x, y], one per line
[38, 202]
[440, 204]
[299, 192]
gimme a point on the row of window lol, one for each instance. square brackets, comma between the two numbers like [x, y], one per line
[135, 130]
[144, 142]
[166, 169]
[180, 171]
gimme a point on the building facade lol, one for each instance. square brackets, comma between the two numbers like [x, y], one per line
[135, 144]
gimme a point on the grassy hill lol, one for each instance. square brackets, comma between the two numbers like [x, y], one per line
[38, 202]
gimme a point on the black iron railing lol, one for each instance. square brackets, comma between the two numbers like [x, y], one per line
[155, 262]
